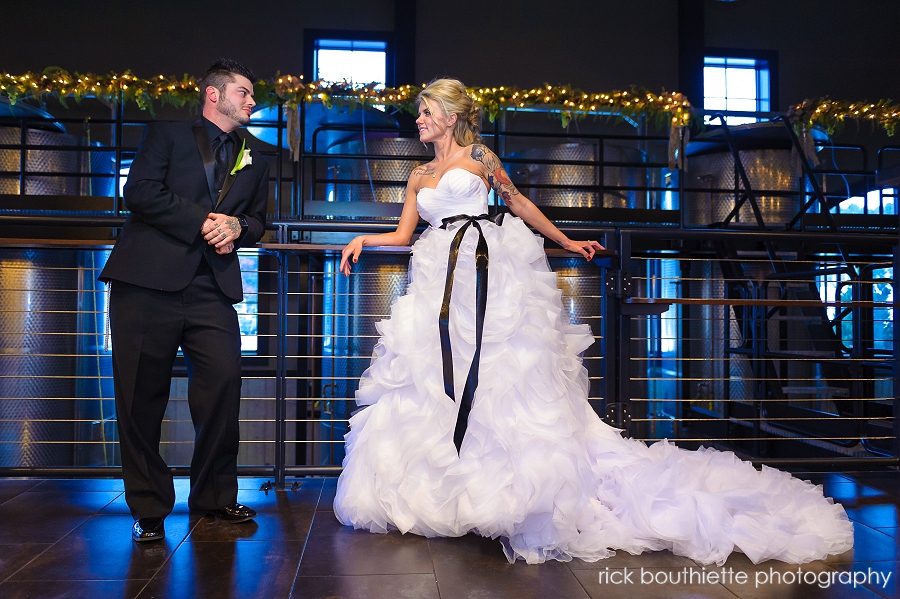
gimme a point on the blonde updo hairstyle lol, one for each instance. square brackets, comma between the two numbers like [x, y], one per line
[450, 95]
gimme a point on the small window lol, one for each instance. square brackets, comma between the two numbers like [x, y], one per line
[358, 62]
[358, 57]
[733, 84]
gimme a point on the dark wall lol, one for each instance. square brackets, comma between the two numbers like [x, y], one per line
[173, 36]
[847, 50]
[595, 45]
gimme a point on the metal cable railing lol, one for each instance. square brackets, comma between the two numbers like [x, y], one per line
[57, 410]
[768, 356]
[711, 326]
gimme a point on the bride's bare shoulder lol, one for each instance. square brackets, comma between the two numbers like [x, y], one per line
[483, 155]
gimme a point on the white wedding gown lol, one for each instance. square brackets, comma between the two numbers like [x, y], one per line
[537, 467]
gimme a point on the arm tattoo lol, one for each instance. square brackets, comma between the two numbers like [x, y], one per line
[497, 177]
[425, 169]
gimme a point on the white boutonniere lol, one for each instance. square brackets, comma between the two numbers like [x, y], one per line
[244, 158]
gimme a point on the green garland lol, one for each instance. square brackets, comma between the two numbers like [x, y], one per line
[54, 82]
[665, 109]
[830, 114]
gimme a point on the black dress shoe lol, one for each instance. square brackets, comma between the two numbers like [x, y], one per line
[233, 513]
[148, 529]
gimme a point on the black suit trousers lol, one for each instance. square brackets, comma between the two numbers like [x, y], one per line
[147, 327]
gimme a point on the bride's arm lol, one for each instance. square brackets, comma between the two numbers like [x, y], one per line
[409, 218]
[522, 207]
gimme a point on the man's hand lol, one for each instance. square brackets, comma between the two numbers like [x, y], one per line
[221, 231]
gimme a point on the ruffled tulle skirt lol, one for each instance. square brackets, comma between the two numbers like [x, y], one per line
[537, 468]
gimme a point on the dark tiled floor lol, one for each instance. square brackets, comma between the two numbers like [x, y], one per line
[71, 538]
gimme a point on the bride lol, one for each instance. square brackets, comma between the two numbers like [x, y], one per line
[476, 416]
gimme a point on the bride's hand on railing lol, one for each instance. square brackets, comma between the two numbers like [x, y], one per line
[351, 252]
[585, 248]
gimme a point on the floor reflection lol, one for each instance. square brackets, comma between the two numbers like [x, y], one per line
[71, 538]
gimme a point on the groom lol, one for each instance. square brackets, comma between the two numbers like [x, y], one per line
[195, 195]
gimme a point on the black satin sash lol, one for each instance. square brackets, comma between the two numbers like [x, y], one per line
[481, 286]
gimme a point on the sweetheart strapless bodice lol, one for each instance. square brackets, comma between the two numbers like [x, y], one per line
[458, 192]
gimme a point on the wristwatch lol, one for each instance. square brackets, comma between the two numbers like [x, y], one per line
[242, 221]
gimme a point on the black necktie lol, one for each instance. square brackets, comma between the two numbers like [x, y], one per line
[221, 147]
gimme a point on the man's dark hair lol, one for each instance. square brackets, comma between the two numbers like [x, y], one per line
[221, 73]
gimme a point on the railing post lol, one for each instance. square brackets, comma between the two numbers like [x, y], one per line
[23, 155]
[119, 115]
[617, 340]
[896, 348]
[279, 132]
[299, 164]
[281, 368]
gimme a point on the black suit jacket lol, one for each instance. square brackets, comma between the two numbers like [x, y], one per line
[168, 194]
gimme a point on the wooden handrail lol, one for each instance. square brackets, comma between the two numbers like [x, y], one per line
[751, 302]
